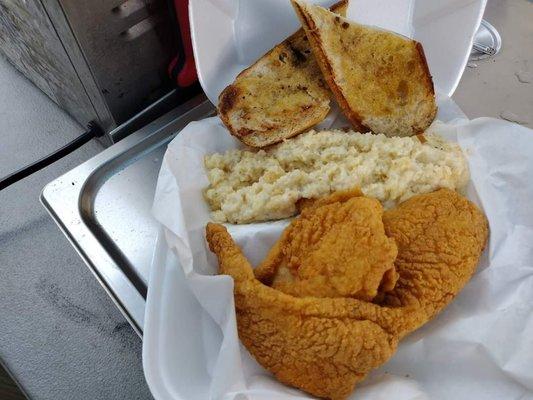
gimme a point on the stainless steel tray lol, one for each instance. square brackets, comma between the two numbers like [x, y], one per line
[104, 205]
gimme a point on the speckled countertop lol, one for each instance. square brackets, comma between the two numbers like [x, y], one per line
[492, 88]
[61, 337]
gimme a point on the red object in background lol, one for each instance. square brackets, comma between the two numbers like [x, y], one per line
[182, 68]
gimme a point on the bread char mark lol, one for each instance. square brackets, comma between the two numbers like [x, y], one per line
[244, 132]
[299, 57]
[228, 98]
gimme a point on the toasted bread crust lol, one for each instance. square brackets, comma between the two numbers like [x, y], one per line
[428, 82]
[227, 99]
[424, 62]
[327, 71]
[239, 104]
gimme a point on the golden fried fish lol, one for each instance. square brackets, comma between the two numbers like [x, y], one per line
[324, 346]
[336, 248]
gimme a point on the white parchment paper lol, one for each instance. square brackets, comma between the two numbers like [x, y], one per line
[480, 347]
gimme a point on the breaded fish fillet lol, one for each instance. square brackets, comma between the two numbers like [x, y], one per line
[324, 346]
[337, 248]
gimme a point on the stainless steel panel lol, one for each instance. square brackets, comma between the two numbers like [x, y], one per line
[103, 207]
[102, 113]
[100, 60]
[30, 42]
[127, 44]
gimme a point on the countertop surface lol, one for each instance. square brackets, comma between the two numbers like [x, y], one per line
[61, 337]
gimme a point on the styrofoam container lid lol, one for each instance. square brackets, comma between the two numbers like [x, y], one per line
[229, 35]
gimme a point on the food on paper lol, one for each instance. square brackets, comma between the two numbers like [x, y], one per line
[380, 79]
[325, 346]
[247, 186]
[337, 248]
[281, 95]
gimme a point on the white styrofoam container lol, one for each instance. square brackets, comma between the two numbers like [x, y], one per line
[228, 35]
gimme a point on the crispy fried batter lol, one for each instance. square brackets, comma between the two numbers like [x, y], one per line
[440, 237]
[326, 345]
[337, 248]
[316, 344]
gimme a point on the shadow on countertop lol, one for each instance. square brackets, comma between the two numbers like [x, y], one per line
[9, 389]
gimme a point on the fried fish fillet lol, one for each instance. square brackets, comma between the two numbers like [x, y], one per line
[320, 345]
[324, 346]
[338, 248]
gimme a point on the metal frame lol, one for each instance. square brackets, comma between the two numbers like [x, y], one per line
[70, 201]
